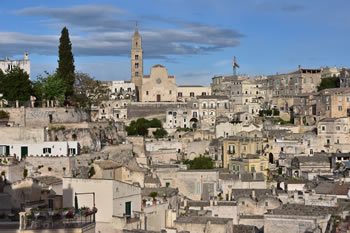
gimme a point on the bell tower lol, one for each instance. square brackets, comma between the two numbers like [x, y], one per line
[137, 61]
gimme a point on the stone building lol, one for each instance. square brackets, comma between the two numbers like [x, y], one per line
[228, 182]
[116, 110]
[344, 77]
[250, 163]
[137, 62]
[121, 90]
[333, 102]
[128, 172]
[221, 85]
[7, 64]
[333, 135]
[247, 95]
[237, 147]
[309, 167]
[199, 224]
[211, 107]
[188, 92]
[294, 83]
[116, 201]
[293, 218]
[158, 86]
[181, 118]
[255, 201]
[227, 129]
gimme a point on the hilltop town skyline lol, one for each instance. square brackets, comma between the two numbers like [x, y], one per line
[194, 43]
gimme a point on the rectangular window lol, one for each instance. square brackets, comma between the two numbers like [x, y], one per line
[179, 94]
[128, 208]
[146, 92]
[136, 57]
[136, 65]
[136, 73]
[72, 151]
[191, 94]
[203, 93]
[340, 108]
[47, 150]
[170, 92]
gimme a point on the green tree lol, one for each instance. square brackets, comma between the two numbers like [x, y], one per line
[153, 195]
[332, 82]
[16, 85]
[89, 91]
[200, 163]
[141, 125]
[66, 68]
[275, 112]
[160, 133]
[50, 88]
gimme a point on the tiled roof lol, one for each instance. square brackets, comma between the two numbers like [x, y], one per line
[244, 229]
[303, 210]
[202, 220]
[48, 180]
[333, 188]
[259, 193]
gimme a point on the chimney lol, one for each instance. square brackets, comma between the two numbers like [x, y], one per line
[253, 194]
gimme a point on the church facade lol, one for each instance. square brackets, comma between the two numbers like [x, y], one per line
[159, 86]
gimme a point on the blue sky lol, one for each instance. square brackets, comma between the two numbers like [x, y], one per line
[194, 39]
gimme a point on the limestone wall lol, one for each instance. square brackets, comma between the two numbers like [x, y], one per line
[41, 117]
[55, 163]
[138, 110]
[13, 172]
[10, 135]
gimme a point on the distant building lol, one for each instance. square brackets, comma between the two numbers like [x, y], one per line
[187, 92]
[7, 64]
[158, 86]
[344, 77]
[333, 102]
[49, 149]
[137, 62]
[237, 147]
[294, 83]
[121, 90]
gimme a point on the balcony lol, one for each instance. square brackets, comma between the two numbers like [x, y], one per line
[58, 219]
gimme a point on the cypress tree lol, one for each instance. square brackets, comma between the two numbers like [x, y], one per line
[66, 68]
